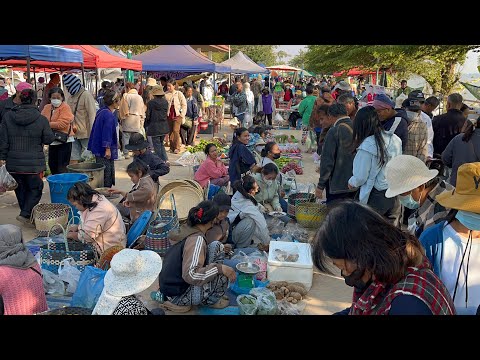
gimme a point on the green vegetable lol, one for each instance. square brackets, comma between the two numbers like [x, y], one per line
[201, 146]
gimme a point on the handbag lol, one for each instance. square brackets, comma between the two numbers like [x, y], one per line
[60, 136]
[188, 124]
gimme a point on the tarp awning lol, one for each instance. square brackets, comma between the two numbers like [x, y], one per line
[95, 58]
[40, 55]
[109, 50]
[283, 68]
[242, 64]
[178, 58]
[473, 89]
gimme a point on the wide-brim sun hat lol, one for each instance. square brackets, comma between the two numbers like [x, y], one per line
[151, 82]
[157, 90]
[466, 196]
[132, 271]
[405, 173]
[137, 142]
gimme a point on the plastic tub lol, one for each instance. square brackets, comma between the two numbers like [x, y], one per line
[60, 184]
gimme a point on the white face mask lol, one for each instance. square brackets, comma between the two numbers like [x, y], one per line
[268, 182]
[411, 115]
[56, 102]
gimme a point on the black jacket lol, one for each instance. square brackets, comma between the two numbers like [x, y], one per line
[156, 166]
[23, 133]
[445, 128]
[6, 106]
[156, 118]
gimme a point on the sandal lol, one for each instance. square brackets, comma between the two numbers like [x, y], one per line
[220, 304]
[167, 305]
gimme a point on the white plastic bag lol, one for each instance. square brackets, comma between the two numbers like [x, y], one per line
[7, 182]
[52, 283]
[88, 156]
[68, 272]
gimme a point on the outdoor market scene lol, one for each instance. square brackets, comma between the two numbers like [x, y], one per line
[239, 180]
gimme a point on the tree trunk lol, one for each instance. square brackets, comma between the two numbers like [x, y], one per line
[448, 79]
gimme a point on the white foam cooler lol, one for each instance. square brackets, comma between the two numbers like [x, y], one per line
[299, 271]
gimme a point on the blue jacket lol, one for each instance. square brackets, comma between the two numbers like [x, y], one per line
[432, 240]
[156, 166]
[104, 134]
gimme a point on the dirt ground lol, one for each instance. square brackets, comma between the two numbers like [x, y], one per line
[328, 293]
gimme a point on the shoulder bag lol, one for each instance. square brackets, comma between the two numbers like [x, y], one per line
[60, 136]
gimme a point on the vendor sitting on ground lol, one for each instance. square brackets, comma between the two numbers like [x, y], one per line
[201, 279]
[21, 286]
[141, 152]
[141, 197]
[241, 159]
[270, 152]
[131, 272]
[212, 169]
[248, 225]
[268, 197]
[220, 228]
[101, 222]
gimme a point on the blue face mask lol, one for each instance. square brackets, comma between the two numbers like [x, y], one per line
[409, 202]
[468, 219]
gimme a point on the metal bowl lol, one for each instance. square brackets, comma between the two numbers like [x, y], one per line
[248, 268]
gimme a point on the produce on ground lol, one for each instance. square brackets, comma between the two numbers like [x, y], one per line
[219, 143]
[291, 292]
[292, 165]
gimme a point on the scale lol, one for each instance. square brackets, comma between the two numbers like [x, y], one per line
[246, 274]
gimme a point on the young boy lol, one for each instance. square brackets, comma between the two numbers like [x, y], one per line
[156, 166]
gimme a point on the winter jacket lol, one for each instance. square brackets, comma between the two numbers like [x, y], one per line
[142, 197]
[156, 166]
[132, 111]
[23, 133]
[367, 172]
[402, 129]
[86, 112]
[192, 108]
[240, 102]
[336, 166]
[179, 103]
[459, 152]
[445, 128]
[156, 119]
[267, 193]
[5, 106]
[60, 119]
[245, 208]
[104, 134]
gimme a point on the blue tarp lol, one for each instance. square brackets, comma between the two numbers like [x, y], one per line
[178, 58]
[41, 53]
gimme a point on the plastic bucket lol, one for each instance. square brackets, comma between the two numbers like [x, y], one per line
[95, 172]
[60, 184]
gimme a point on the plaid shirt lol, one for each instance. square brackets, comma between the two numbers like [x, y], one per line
[431, 212]
[420, 282]
[417, 139]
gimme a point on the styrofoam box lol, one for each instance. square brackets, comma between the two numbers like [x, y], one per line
[299, 271]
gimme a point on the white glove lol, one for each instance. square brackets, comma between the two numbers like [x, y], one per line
[262, 208]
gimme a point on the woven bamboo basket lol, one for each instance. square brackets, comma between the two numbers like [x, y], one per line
[46, 216]
[310, 215]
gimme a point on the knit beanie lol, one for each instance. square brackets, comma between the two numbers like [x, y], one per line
[72, 83]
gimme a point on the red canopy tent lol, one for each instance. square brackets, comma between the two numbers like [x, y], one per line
[94, 58]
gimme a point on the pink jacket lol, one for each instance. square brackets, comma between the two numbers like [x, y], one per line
[209, 170]
[22, 291]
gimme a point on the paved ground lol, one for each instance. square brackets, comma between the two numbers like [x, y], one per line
[328, 293]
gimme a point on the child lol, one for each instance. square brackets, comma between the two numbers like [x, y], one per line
[141, 197]
[156, 166]
[259, 119]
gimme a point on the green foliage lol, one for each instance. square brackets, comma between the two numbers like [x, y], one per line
[136, 49]
[438, 64]
[259, 53]
[299, 61]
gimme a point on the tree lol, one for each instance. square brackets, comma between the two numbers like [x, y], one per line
[136, 49]
[437, 64]
[259, 53]
[299, 60]
[281, 55]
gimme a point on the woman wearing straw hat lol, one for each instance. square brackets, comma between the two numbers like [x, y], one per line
[417, 188]
[21, 285]
[193, 272]
[453, 246]
[386, 266]
[131, 272]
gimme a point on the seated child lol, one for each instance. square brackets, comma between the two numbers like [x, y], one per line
[142, 196]
[141, 152]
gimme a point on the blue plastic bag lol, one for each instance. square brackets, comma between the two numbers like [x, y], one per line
[89, 288]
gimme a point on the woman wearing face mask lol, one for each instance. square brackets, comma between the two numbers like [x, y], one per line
[248, 225]
[268, 197]
[453, 246]
[103, 141]
[270, 152]
[60, 117]
[212, 169]
[387, 267]
[417, 188]
[193, 272]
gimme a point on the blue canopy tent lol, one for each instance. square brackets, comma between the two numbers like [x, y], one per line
[40, 56]
[182, 58]
[108, 50]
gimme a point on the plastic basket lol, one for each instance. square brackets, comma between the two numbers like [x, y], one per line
[52, 254]
[310, 215]
[299, 198]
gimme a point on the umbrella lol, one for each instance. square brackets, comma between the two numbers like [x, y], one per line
[129, 74]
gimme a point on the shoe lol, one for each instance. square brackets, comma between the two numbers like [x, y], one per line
[220, 304]
[25, 221]
[167, 305]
